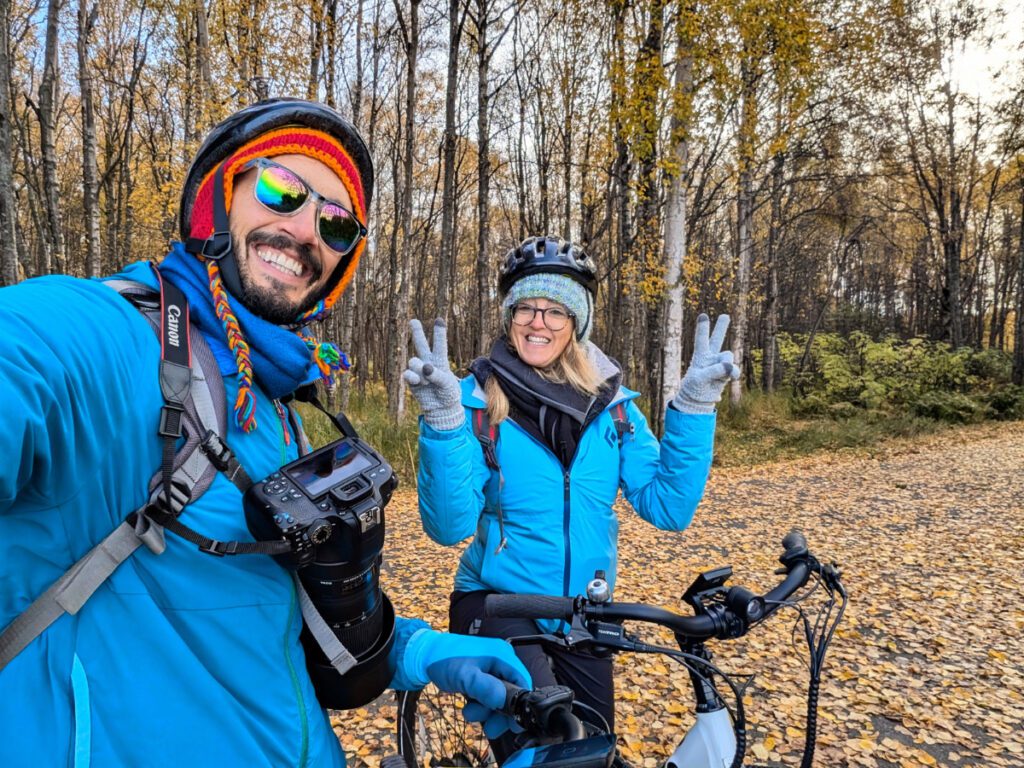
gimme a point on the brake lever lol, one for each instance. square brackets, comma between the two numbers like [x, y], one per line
[832, 573]
[538, 639]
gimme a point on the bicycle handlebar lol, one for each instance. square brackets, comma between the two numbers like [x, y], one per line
[741, 606]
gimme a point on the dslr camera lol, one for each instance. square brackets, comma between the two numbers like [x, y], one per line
[329, 506]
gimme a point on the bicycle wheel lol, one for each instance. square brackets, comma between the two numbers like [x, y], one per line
[433, 734]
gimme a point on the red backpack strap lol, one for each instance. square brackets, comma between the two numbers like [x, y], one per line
[623, 426]
[487, 434]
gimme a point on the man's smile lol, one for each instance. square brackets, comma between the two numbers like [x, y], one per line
[280, 262]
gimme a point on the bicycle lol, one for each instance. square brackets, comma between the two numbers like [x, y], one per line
[431, 732]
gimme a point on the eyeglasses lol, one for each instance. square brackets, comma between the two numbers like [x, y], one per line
[554, 318]
[282, 191]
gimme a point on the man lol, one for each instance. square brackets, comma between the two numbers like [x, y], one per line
[183, 657]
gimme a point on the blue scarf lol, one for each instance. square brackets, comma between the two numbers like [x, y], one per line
[281, 361]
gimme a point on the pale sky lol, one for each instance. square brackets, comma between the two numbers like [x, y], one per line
[976, 66]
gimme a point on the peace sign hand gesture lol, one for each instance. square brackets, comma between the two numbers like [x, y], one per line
[431, 380]
[709, 371]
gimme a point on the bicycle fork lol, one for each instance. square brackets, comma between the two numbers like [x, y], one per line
[711, 742]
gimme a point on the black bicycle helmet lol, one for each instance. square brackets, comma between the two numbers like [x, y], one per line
[233, 133]
[547, 254]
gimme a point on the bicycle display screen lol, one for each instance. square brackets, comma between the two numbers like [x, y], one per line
[593, 752]
[325, 469]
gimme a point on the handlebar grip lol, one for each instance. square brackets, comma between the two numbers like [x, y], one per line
[794, 544]
[512, 691]
[528, 607]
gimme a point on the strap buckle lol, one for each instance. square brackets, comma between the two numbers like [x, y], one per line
[170, 420]
[216, 451]
[217, 245]
[219, 548]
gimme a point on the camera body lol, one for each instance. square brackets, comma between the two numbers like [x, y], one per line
[329, 506]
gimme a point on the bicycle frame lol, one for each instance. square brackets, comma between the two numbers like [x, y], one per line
[710, 743]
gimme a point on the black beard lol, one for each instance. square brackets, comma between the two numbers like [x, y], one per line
[269, 303]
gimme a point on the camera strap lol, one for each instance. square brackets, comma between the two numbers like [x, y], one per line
[307, 394]
[339, 656]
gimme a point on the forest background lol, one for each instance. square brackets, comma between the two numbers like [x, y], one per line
[845, 177]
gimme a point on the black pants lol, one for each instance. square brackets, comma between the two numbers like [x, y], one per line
[589, 677]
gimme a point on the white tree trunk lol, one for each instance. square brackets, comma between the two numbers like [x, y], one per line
[8, 212]
[675, 238]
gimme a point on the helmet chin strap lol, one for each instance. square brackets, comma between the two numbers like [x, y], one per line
[219, 246]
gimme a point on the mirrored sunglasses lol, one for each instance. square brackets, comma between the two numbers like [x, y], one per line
[282, 191]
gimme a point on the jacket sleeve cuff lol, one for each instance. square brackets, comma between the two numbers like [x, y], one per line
[407, 654]
[431, 432]
[694, 428]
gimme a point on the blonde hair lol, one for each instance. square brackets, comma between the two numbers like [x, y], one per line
[573, 367]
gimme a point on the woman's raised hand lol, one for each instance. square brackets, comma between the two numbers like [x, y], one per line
[710, 369]
[431, 380]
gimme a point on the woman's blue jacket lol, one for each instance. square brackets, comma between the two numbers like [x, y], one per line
[559, 524]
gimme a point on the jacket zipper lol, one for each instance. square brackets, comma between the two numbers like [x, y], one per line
[565, 533]
[566, 513]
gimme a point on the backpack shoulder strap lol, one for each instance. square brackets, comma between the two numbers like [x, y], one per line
[195, 408]
[487, 434]
[623, 426]
[185, 467]
[188, 469]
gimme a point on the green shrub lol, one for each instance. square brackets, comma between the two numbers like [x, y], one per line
[992, 365]
[1006, 403]
[891, 375]
[814, 404]
[841, 411]
[948, 406]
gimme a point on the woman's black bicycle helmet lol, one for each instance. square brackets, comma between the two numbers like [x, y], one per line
[551, 255]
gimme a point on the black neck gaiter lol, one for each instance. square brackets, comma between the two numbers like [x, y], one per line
[553, 414]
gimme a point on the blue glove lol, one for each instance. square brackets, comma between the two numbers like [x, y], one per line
[472, 666]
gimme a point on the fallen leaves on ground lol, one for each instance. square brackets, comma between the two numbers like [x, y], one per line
[925, 669]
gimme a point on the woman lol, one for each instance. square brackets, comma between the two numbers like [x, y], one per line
[530, 450]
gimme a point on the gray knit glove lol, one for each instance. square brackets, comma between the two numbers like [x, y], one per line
[431, 380]
[709, 371]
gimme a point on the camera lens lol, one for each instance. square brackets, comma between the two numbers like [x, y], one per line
[349, 602]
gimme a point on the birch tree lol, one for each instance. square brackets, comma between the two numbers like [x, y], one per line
[410, 27]
[8, 207]
[675, 207]
[90, 172]
[47, 114]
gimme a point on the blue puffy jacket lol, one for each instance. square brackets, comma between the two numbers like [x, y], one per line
[559, 525]
[180, 659]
